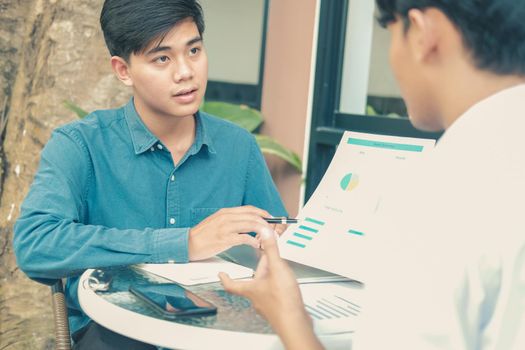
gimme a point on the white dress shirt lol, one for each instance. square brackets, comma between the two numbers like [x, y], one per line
[447, 268]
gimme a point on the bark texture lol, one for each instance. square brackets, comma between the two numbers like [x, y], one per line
[50, 51]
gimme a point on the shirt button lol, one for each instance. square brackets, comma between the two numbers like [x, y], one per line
[159, 146]
[152, 149]
[172, 221]
[172, 178]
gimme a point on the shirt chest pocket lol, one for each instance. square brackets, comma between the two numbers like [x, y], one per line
[199, 214]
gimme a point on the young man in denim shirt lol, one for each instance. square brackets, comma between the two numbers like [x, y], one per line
[154, 181]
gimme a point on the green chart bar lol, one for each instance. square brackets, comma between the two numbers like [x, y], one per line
[302, 236]
[354, 232]
[385, 145]
[306, 228]
[296, 244]
[314, 221]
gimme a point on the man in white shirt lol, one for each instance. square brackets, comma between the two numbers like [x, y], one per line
[447, 268]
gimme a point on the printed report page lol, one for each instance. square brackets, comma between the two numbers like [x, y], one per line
[334, 224]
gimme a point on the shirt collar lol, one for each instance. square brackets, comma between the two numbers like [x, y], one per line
[143, 139]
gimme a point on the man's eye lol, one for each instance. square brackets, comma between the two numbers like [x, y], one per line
[194, 51]
[162, 59]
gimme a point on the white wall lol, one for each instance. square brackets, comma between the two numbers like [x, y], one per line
[232, 39]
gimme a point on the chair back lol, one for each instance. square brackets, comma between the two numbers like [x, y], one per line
[62, 336]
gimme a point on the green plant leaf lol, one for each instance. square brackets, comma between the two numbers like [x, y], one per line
[75, 109]
[370, 110]
[242, 115]
[270, 146]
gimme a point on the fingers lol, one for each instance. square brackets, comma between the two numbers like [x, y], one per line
[225, 228]
[235, 287]
[244, 225]
[280, 228]
[245, 209]
[262, 267]
[239, 222]
[271, 250]
[246, 239]
[239, 219]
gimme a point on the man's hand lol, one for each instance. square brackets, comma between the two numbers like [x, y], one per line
[225, 229]
[275, 294]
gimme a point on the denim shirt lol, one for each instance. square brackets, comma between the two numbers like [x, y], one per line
[108, 194]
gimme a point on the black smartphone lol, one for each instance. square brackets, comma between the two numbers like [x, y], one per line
[172, 300]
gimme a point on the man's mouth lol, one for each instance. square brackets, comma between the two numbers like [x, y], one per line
[185, 92]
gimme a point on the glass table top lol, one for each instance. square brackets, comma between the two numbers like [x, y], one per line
[234, 313]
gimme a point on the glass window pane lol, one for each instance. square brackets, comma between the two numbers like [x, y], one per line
[368, 85]
[233, 38]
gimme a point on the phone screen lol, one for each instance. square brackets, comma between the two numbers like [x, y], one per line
[172, 300]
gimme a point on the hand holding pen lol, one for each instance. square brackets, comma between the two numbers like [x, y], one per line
[281, 220]
[280, 224]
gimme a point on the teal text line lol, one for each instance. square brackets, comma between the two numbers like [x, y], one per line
[296, 244]
[314, 221]
[385, 145]
[302, 236]
[306, 228]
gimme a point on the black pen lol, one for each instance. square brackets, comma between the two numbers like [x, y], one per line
[281, 220]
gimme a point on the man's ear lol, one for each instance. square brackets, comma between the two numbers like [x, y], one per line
[423, 34]
[121, 69]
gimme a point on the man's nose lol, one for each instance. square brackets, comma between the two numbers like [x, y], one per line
[183, 71]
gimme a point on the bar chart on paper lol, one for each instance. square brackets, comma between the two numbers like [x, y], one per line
[333, 225]
[333, 308]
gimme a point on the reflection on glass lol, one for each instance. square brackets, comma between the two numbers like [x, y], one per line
[384, 97]
[233, 35]
[368, 85]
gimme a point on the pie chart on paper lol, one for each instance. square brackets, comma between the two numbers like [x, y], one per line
[349, 182]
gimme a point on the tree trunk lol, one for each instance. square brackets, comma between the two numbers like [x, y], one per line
[51, 51]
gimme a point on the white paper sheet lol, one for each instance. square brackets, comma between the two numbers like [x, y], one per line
[333, 308]
[197, 272]
[335, 221]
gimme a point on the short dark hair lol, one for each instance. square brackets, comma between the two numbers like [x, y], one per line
[492, 30]
[129, 26]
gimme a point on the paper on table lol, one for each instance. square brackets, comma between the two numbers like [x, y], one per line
[204, 271]
[334, 223]
[333, 308]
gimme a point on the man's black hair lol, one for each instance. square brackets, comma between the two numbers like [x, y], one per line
[129, 26]
[492, 30]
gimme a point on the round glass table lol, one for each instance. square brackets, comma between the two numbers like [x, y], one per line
[235, 326]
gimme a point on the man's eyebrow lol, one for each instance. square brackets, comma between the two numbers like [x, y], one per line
[168, 48]
[194, 40]
[158, 49]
